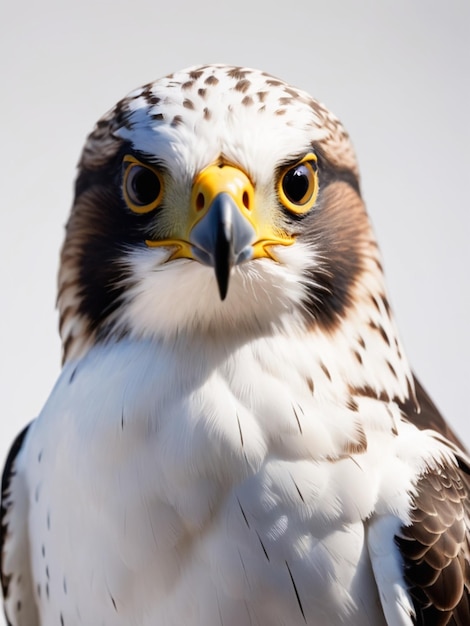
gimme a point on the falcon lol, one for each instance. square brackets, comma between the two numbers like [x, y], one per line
[236, 437]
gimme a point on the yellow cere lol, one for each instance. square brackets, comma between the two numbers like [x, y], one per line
[208, 184]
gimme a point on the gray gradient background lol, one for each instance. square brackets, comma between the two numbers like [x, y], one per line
[395, 72]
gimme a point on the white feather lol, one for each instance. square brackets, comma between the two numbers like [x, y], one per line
[182, 476]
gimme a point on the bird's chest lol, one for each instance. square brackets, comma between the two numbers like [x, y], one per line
[205, 504]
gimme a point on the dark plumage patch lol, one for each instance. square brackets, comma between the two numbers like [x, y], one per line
[367, 392]
[195, 74]
[99, 233]
[391, 368]
[310, 385]
[436, 548]
[238, 72]
[242, 85]
[8, 473]
[358, 357]
[352, 405]
[325, 371]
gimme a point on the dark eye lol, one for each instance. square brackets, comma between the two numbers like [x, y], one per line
[142, 186]
[298, 185]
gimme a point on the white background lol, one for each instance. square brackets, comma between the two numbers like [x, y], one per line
[396, 72]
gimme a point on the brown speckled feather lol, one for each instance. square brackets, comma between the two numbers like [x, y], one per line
[436, 546]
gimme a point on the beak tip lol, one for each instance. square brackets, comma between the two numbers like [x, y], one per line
[222, 283]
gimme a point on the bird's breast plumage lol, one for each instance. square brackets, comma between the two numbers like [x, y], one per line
[249, 490]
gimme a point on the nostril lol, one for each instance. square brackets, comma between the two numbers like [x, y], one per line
[200, 201]
[246, 200]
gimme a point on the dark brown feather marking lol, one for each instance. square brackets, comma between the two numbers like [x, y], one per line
[368, 392]
[358, 357]
[325, 370]
[310, 384]
[195, 74]
[242, 85]
[352, 405]
[238, 72]
[357, 445]
[391, 368]
[339, 228]
[273, 82]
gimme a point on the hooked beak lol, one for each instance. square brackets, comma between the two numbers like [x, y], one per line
[222, 239]
[223, 227]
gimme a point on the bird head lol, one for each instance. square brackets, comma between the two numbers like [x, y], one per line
[215, 200]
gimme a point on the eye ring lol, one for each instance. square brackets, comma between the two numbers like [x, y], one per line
[298, 185]
[142, 185]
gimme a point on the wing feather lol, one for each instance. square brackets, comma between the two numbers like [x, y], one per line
[16, 578]
[435, 546]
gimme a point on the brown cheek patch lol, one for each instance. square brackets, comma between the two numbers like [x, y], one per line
[92, 279]
[338, 228]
